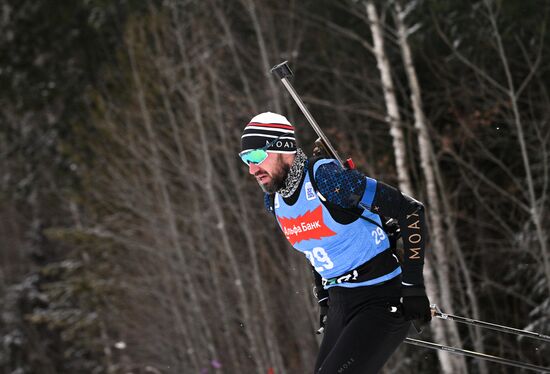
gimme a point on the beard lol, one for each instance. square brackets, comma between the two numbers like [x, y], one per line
[278, 178]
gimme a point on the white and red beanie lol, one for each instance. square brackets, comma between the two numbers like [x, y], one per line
[266, 127]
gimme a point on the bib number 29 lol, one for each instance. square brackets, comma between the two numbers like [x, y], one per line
[378, 235]
[319, 259]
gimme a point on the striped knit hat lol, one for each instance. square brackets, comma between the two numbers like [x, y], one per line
[266, 127]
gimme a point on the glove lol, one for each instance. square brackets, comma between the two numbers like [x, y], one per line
[322, 299]
[416, 305]
[323, 312]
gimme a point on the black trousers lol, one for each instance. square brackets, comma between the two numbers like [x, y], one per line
[361, 332]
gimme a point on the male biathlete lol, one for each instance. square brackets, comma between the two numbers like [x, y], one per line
[367, 297]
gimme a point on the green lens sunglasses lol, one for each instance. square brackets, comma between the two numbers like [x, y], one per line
[257, 156]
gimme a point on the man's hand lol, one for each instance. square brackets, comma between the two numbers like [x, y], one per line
[416, 305]
[323, 311]
[322, 299]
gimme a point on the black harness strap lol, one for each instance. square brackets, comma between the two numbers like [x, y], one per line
[383, 263]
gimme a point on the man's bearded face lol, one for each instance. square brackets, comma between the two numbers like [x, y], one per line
[271, 173]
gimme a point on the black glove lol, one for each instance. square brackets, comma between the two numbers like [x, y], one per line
[416, 305]
[322, 299]
[323, 311]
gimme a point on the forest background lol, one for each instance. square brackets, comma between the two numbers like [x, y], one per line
[133, 240]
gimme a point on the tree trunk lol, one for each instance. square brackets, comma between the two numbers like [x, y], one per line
[394, 119]
[436, 215]
[392, 108]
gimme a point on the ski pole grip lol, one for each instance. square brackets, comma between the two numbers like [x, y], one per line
[282, 70]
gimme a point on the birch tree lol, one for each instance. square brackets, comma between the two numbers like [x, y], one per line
[431, 170]
[448, 363]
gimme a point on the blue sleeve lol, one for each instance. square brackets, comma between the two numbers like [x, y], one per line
[344, 187]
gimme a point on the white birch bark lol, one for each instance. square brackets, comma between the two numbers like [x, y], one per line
[405, 185]
[475, 332]
[392, 108]
[458, 363]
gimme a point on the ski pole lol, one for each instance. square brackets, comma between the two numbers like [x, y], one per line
[483, 356]
[283, 72]
[436, 312]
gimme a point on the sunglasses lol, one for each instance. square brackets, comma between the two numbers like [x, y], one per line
[257, 156]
